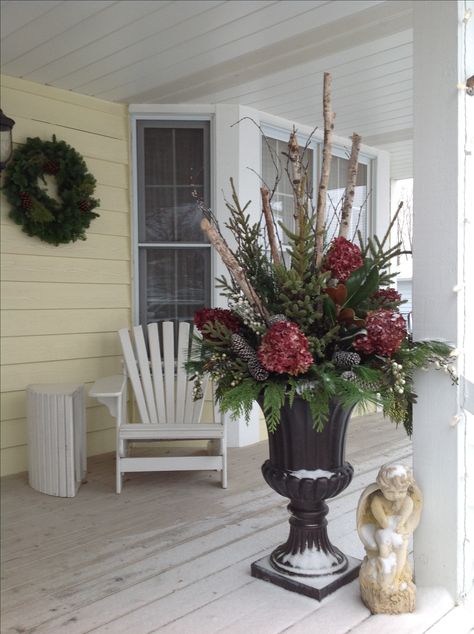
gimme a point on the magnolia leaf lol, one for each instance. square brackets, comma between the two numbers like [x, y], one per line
[329, 309]
[366, 289]
[357, 277]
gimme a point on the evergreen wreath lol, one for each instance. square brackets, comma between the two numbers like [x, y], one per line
[56, 222]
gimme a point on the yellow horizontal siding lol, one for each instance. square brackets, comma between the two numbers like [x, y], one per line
[111, 174]
[106, 247]
[17, 323]
[33, 90]
[34, 268]
[26, 295]
[62, 306]
[49, 110]
[17, 377]
[86, 143]
[14, 459]
[35, 349]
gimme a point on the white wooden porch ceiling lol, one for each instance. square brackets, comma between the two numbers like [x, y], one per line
[266, 54]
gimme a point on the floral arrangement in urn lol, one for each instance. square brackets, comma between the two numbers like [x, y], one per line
[317, 317]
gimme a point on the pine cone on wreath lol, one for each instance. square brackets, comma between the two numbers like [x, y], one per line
[26, 201]
[51, 167]
[345, 360]
[84, 205]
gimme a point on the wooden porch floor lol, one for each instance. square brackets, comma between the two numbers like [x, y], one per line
[172, 552]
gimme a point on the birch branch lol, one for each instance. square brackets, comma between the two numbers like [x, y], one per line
[295, 158]
[350, 187]
[329, 116]
[267, 212]
[298, 180]
[233, 266]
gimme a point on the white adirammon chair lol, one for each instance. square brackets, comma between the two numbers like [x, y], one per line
[164, 399]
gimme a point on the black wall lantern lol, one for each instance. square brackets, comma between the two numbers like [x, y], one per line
[6, 143]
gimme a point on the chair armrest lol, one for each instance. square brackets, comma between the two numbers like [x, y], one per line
[109, 386]
[109, 391]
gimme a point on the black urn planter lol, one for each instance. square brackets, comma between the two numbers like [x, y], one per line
[308, 467]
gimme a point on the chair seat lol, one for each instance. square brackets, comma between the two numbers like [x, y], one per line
[194, 431]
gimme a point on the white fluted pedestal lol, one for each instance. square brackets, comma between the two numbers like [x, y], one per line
[57, 455]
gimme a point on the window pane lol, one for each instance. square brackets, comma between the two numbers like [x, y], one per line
[273, 152]
[160, 217]
[173, 162]
[158, 150]
[189, 144]
[188, 216]
[176, 282]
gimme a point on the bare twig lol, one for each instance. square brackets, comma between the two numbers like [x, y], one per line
[329, 116]
[350, 187]
[267, 212]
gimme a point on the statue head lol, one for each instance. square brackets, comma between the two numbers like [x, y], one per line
[394, 481]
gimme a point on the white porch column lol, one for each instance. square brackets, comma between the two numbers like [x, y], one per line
[443, 276]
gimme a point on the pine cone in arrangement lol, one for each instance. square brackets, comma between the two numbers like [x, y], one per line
[242, 348]
[348, 375]
[274, 319]
[84, 205]
[51, 167]
[26, 201]
[245, 352]
[257, 370]
[346, 360]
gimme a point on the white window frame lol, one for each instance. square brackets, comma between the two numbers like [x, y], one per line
[147, 113]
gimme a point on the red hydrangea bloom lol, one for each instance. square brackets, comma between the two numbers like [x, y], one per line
[387, 296]
[342, 258]
[284, 349]
[385, 332]
[211, 315]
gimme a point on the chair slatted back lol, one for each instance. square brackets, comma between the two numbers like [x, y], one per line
[163, 391]
[157, 372]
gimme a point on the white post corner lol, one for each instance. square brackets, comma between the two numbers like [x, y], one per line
[443, 278]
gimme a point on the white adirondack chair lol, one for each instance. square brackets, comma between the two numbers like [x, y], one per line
[164, 398]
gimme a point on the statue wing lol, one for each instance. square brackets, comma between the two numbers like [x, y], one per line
[363, 508]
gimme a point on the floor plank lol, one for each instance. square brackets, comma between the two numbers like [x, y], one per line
[172, 553]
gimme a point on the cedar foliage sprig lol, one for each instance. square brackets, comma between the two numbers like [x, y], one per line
[249, 250]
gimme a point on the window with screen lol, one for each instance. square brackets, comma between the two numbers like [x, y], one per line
[173, 255]
[282, 202]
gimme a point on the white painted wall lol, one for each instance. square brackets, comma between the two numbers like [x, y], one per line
[443, 291]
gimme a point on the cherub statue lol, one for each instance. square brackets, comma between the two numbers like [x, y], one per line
[388, 513]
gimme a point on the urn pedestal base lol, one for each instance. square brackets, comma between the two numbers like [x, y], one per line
[308, 467]
[314, 587]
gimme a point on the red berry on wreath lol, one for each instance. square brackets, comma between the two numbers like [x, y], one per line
[51, 167]
[26, 201]
[84, 205]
